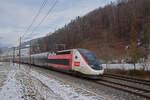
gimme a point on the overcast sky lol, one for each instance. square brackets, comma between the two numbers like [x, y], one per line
[17, 15]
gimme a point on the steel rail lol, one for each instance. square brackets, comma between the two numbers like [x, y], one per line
[134, 80]
[125, 88]
[128, 86]
[128, 77]
[118, 86]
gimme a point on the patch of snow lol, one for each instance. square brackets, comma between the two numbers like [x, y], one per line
[34, 89]
[27, 84]
[67, 92]
[1, 63]
[11, 90]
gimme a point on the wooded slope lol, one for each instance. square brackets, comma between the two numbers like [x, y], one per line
[107, 31]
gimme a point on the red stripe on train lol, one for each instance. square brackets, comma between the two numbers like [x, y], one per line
[59, 66]
[84, 58]
[66, 56]
[77, 64]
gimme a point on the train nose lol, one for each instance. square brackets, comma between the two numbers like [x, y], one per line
[97, 67]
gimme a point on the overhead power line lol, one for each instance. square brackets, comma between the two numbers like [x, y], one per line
[35, 17]
[49, 11]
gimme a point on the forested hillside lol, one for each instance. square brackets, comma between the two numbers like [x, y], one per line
[110, 32]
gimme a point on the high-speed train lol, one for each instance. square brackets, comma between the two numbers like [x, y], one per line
[79, 61]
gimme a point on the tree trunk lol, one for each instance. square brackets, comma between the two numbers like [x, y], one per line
[106, 67]
[134, 67]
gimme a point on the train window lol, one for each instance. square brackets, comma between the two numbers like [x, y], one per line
[63, 52]
[87, 55]
[91, 59]
[76, 57]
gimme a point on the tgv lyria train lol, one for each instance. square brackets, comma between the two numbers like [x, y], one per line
[79, 61]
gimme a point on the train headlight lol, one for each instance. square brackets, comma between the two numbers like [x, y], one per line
[97, 67]
[92, 66]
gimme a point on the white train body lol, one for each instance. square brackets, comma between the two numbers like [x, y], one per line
[74, 60]
[81, 64]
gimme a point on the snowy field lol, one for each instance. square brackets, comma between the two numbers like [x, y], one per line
[27, 84]
[126, 66]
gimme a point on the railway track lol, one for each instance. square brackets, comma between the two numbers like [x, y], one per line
[139, 91]
[111, 80]
[127, 78]
[135, 86]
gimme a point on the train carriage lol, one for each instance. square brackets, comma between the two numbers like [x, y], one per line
[61, 59]
[74, 61]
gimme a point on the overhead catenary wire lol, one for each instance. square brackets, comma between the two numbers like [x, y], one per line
[35, 17]
[49, 11]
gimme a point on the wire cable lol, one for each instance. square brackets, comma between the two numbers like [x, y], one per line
[50, 9]
[35, 17]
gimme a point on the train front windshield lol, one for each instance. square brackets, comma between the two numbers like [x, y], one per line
[91, 59]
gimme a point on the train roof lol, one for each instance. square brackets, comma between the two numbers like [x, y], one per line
[64, 50]
[57, 52]
[41, 54]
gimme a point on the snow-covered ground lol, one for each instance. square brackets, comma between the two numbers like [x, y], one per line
[126, 66]
[27, 84]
